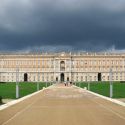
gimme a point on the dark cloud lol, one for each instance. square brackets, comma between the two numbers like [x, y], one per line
[90, 25]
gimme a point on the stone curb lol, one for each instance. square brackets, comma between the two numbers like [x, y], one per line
[4, 106]
[104, 97]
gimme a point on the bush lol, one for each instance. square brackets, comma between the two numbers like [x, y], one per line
[1, 100]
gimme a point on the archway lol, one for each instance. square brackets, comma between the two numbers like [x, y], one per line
[67, 78]
[56, 79]
[25, 77]
[99, 77]
[62, 77]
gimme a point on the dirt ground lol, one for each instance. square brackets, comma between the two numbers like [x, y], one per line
[60, 105]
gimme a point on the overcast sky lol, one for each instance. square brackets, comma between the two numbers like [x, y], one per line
[88, 25]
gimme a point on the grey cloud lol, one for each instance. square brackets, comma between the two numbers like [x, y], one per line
[90, 25]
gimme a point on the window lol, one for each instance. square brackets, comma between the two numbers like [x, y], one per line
[81, 78]
[62, 66]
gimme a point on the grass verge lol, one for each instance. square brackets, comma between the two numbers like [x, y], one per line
[8, 90]
[103, 88]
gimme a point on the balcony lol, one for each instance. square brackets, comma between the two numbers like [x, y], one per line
[62, 69]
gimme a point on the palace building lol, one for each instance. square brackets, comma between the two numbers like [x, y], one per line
[60, 67]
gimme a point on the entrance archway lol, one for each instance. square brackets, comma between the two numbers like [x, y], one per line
[99, 77]
[62, 77]
[25, 77]
[56, 79]
[67, 78]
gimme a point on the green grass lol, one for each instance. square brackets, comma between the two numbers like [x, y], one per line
[8, 90]
[103, 88]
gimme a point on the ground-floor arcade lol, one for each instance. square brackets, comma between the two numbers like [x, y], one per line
[60, 76]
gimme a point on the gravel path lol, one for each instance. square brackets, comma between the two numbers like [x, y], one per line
[60, 105]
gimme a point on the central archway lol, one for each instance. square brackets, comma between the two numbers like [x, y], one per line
[62, 77]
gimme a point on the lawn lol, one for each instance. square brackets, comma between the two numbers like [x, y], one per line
[8, 90]
[104, 87]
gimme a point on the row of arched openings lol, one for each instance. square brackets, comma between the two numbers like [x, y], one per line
[62, 77]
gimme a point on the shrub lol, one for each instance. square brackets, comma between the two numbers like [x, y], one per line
[1, 100]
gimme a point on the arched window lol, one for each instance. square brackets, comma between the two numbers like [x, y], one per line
[62, 66]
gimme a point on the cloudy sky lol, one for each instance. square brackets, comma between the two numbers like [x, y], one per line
[87, 25]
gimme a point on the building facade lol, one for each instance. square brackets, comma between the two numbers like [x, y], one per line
[60, 67]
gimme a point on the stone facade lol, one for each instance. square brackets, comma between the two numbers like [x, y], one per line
[62, 67]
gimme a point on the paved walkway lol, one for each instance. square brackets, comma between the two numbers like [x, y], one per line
[60, 105]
